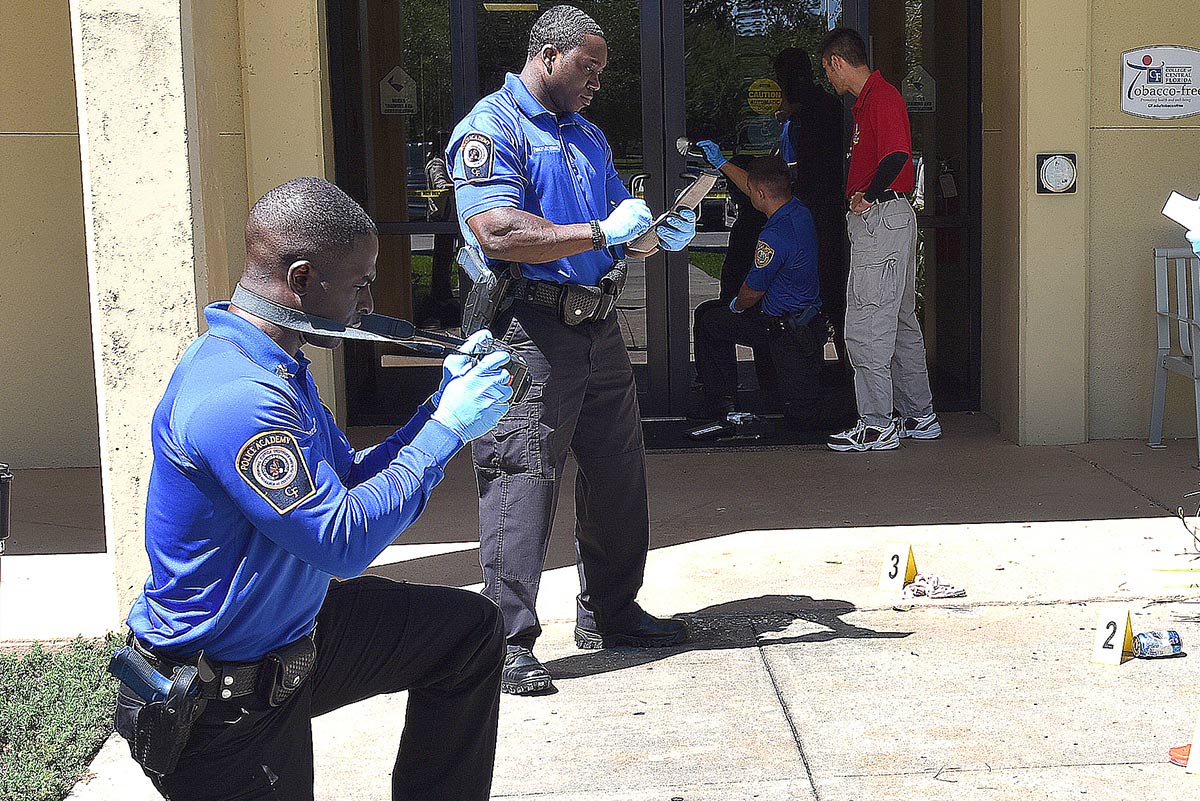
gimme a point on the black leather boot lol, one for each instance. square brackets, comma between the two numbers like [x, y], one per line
[522, 673]
[645, 631]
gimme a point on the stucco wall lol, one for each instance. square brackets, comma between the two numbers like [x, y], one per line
[212, 61]
[288, 122]
[48, 395]
[1053, 245]
[1001, 201]
[1135, 163]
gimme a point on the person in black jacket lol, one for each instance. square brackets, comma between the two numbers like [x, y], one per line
[811, 144]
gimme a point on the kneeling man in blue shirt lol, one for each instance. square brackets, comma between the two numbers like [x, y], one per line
[779, 303]
[256, 501]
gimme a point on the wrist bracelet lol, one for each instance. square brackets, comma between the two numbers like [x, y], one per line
[597, 235]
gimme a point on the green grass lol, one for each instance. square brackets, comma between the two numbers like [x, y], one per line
[709, 262]
[422, 269]
[56, 707]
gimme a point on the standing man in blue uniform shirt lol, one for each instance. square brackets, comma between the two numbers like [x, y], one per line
[538, 194]
[256, 501]
[780, 297]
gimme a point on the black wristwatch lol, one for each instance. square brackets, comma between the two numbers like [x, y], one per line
[597, 236]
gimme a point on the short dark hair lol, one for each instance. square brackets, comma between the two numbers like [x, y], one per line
[563, 27]
[304, 218]
[770, 173]
[847, 43]
[794, 70]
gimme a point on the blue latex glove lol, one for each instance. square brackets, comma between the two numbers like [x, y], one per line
[675, 232]
[1194, 238]
[629, 220]
[712, 152]
[474, 402]
[733, 307]
[457, 364]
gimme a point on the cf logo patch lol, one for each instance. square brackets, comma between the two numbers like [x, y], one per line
[478, 156]
[272, 464]
[763, 253]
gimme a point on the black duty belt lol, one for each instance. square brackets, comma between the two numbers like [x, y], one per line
[223, 680]
[546, 294]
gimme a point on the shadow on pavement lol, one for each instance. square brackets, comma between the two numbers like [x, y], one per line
[747, 623]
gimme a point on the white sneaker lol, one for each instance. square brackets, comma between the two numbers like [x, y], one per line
[926, 427]
[864, 437]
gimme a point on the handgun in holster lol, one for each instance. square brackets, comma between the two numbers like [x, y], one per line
[162, 725]
[489, 289]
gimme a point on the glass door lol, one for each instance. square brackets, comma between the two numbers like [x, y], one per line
[403, 72]
[931, 50]
[393, 82]
[619, 110]
[749, 66]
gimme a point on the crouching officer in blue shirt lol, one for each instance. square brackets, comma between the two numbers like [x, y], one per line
[256, 501]
[779, 303]
[538, 194]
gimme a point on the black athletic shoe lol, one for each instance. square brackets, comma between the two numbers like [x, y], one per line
[522, 673]
[647, 631]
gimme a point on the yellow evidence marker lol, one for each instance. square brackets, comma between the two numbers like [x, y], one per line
[1114, 637]
[899, 568]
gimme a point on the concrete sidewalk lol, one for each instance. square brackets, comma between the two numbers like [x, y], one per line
[802, 680]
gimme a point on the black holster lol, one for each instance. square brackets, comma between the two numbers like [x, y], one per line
[487, 298]
[158, 731]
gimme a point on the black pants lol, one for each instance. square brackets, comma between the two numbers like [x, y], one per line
[797, 355]
[832, 266]
[584, 400]
[374, 636]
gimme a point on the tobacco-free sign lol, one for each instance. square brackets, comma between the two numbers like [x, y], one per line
[1161, 82]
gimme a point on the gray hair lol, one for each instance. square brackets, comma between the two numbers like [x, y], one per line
[562, 27]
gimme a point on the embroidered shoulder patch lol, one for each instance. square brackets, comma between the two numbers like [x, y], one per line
[478, 153]
[272, 464]
[763, 253]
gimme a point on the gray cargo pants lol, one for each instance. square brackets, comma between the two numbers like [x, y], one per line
[584, 400]
[883, 335]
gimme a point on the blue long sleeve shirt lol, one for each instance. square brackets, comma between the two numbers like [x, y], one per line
[256, 498]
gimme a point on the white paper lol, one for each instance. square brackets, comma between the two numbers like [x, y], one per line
[1183, 210]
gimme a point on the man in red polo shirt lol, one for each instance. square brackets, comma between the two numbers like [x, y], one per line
[883, 335]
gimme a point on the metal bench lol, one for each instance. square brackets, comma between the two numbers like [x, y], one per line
[1183, 308]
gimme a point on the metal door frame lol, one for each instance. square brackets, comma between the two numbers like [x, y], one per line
[668, 315]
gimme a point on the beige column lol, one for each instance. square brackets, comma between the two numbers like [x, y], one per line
[288, 124]
[138, 230]
[1001, 213]
[1053, 305]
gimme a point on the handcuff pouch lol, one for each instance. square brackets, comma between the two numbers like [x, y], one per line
[285, 669]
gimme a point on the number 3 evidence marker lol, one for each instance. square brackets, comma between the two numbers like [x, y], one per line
[899, 568]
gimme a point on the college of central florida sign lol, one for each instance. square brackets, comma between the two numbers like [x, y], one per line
[1161, 82]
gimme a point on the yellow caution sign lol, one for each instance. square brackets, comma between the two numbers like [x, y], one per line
[1114, 637]
[765, 96]
[899, 568]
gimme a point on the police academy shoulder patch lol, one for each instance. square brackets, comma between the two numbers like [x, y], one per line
[478, 156]
[763, 253]
[272, 464]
